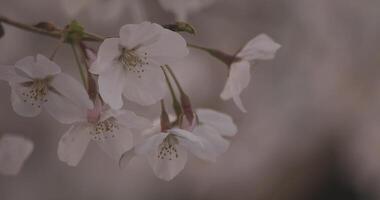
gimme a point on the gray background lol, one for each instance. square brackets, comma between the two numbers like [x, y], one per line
[313, 112]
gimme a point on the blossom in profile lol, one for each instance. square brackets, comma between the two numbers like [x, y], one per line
[14, 150]
[38, 83]
[167, 151]
[182, 8]
[111, 129]
[261, 47]
[129, 66]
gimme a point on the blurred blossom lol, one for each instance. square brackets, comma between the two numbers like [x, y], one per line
[182, 8]
[104, 10]
[130, 65]
[261, 47]
[14, 150]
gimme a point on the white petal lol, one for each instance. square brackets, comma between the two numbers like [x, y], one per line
[239, 103]
[146, 90]
[221, 122]
[14, 150]
[63, 110]
[21, 105]
[41, 67]
[126, 158]
[107, 53]
[8, 73]
[111, 85]
[168, 169]
[130, 120]
[136, 35]
[260, 47]
[214, 143]
[116, 146]
[73, 144]
[238, 79]
[71, 89]
[150, 144]
[169, 47]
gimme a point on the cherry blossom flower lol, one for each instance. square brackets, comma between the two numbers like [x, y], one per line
[130, 65]
[38, 83]
[167, 151]
[14, 150]
[112, 130]
[261, 47]
[212, 127]
[182, 8]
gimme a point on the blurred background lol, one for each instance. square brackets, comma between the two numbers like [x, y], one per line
[312, 129]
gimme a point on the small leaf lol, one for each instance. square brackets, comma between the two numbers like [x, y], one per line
[2, 32]
[181, 27]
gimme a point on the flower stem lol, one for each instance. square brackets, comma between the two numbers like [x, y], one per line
[175, 79]
[224, 57]
[176, 104]
[57, 33]
[77, 55]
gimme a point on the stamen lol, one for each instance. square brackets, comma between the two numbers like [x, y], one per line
[105, 129]
[36, 92]
[132, 61]
[168, 148]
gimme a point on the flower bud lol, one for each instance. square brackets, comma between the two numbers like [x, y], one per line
[181, 27]
[48, 26]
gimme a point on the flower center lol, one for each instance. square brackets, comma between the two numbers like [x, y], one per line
[36, 92]
[132, 61]
[105, 129]
[168, 148]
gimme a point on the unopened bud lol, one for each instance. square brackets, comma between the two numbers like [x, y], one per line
[48, 26]
[74, 32]
[180, 27]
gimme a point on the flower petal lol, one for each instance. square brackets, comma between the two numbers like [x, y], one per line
[108, 52]
[150, 144]
[168, 169]
[63, 110]
[129, 119]
[137, 35]
[221, 122]
[21, 105]
[237, 80]
[73, 144]
[71, 89]
[147, 89]
[116, 146]
[111, 85]
[169, 47]
[14, 150]
[8, 73]
[214, 143]
[261, 47]
[40, 68]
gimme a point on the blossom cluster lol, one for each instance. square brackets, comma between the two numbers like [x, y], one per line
[135, 66]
